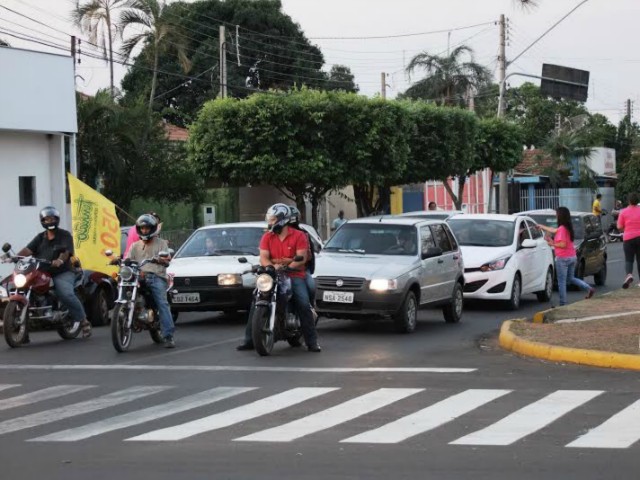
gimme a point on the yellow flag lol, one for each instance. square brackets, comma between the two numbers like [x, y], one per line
[96, 227]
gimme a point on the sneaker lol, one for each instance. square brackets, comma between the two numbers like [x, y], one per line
[245, 346]
[627, 281]
[591, 293]
[169, 342]
[314, 348]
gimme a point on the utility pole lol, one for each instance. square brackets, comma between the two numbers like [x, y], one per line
[502, 70]
[223, 63]
[629, 109]
[383, 85]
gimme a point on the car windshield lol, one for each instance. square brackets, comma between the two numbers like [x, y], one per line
[550, 220]
[482, 233]
[222, 241]
[375, 239]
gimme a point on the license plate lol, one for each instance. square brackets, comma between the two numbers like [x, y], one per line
[186, 298]
[337, 297]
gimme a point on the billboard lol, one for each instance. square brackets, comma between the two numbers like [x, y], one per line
[564, 82]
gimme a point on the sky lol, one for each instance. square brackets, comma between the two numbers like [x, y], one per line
[597, 37]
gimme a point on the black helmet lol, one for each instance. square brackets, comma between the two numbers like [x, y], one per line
[282, 213]
[295, 215]
[50, 212]
[147, 220]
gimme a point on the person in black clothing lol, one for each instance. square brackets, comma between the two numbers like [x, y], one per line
[56, 245]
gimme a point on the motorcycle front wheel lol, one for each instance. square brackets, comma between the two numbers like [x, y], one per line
[69, 330]
[120, 334]
[262, 337]
[14, 333]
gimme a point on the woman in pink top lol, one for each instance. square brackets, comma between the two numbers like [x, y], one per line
[565, 255]
[629, 223]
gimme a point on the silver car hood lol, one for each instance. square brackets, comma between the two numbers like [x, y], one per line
[364, 266]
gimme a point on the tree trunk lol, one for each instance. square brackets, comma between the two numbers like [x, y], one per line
[302, 206]
[154, 79]
[489, 202]
[110, 57]
[447, 187]
[461, 182]
[314, 211]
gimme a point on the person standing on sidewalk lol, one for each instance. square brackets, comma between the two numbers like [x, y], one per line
[629, 224]
[566, 258]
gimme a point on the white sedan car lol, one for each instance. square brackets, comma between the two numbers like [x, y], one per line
[505, 257]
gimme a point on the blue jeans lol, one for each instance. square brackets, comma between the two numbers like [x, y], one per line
[64, 286]
[303, 308]
[311, 286]
[158, 287]
[565, 270]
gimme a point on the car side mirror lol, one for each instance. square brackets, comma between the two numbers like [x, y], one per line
[6, 247]
[243, 260]
[431, 252]
[528, 243]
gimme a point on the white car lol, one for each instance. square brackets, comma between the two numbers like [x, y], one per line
[505, 257]
[203, 280]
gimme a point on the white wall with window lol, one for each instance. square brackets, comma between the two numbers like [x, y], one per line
[37, 119]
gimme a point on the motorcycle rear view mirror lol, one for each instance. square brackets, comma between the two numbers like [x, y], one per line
[108, 253]
[164, 254]
[6, 247]
[298, 258]
[171, 251]
[243, 260]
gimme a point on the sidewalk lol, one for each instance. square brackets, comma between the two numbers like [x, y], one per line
[603, 331]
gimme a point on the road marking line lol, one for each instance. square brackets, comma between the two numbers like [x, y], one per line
[6, 386]
[40, 395]
[240, 368]
[145, 415]
[529, 419]
[428, 418]
[55, 414]
[236, 415]
[620, 431]
[331, 417]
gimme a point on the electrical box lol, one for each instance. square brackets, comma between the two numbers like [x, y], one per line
[209, 214]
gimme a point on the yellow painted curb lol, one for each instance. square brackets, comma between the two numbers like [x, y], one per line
[538, 317]
[595, 358]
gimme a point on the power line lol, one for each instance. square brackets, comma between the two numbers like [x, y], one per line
[377, 37]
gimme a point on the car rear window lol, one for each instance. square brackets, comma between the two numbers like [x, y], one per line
[550, 221]
[376, 239]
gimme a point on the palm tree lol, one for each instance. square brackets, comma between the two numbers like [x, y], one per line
[158, 33]
[449, 77]
[97, 18]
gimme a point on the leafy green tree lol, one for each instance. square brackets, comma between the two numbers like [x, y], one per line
[627, 137]
[629, 177]
[568, 154]
[287, 58]
[98, 18]
[160, 33]
[599, 132]
[448, 78]
[341, 78]
[125, 156]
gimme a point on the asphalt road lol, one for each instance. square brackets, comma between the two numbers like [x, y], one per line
[443, 403]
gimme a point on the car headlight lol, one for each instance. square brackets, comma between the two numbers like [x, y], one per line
[498, 264]
[264, 282]
[126, 273]
[19, 280]
[226, 279]
[383, 285]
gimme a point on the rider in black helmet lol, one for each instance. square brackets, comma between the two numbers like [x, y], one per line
[56, 245]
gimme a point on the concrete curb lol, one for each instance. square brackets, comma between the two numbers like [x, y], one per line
[595, 358]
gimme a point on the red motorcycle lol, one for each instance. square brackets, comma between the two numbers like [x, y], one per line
[33, 304]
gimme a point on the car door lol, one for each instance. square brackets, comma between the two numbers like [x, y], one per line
[540, 253]
[430, 269]
[447, 264]
[526, 257]
[593, 252]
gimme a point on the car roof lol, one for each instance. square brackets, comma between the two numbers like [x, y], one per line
[550, 211]
[393, 220]
[430, 212]
[486, 216]
[242, 225]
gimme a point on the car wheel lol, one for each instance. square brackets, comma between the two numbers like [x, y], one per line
[516, 292]
[99, 312]
[601, 277]
[453, 311]
[406, 318]
[545, 295]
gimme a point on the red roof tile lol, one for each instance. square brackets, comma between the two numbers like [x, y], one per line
[175, 133]
[534, 162]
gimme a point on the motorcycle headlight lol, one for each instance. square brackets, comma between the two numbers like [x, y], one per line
[126, 273]
[264, 282]
[19, 280]
[498, 264]
[226, 279]
[383, 285]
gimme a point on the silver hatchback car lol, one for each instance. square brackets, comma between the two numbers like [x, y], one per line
[390, 267]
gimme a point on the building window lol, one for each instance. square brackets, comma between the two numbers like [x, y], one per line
[27, 187]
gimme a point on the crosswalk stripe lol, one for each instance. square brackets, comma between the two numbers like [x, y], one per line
[236, 415]
[6, 386]
[428, 418]
[99, 403]
[40, 395]
[333, 416]
[145, 415]
[620, 431]
[529, 419]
